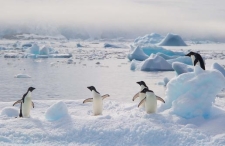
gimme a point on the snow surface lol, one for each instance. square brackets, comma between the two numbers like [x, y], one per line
[172, 40]
[122, 122]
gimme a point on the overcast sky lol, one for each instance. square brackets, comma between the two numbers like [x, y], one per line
[189, 18]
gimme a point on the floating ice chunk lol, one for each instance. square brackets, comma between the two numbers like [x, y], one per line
[172, 40]
[22, 76]
[56, 111]
[181, 68]
[44, 50]
[107, 45]
[41, 56]
[135, 65]
[27, 45]
[166, 80]
[218, 67]
[191, 94]
[137, 54]
[34, 49]
[156, 63]
[9, 112]
[152, 38]
[11, 55]
[153, 49]
[79, 45]
[70, 61]
[183, 59]
[166, 57]
[60, 55]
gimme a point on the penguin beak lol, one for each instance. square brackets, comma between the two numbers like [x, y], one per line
[89, 88]
[139, 83]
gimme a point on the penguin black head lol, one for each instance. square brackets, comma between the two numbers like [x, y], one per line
[92, 88]
[190, 53]
[142, 83]
[30, 89]
[146, 90]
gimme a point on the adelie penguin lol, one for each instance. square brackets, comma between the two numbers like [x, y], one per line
[97, 100]
[196, 59]
[150, 101]
[140, 94]
[26, 103]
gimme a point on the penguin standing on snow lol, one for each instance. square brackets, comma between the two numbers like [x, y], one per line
[150, 101]
[139, 94]
[25, 103]
[97, 100]
[196, 59]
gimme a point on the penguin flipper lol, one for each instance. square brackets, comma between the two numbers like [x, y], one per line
[143, 100]
[88, 100]
[19, 101]
[159, 98]
[32, 104]
[195, 62]
[104, 96]
[21, 115]
[135, 96]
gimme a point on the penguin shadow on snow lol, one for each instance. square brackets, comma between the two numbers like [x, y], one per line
[97, 101]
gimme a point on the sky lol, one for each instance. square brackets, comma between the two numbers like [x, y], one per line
[121, 18]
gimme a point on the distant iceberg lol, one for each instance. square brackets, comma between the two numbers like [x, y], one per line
[152, 38]
[153, 63]
[142, 52]
[172, 40]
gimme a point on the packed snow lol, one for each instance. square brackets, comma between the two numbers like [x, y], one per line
[194, 112]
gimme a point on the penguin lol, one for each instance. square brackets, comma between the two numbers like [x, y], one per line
[139, 94]
[150, 101]
[97, 100]
[25, 103]
[196, 59]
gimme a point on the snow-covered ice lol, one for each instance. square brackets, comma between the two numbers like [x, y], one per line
[192, 94]
[56, 111]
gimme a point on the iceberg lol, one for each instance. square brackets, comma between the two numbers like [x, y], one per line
[172, 40]
[191, 94]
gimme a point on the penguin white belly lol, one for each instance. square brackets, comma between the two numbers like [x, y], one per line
[150, 104]
[193, 60]
[97, 105]
[141, 97]
[26, 106]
